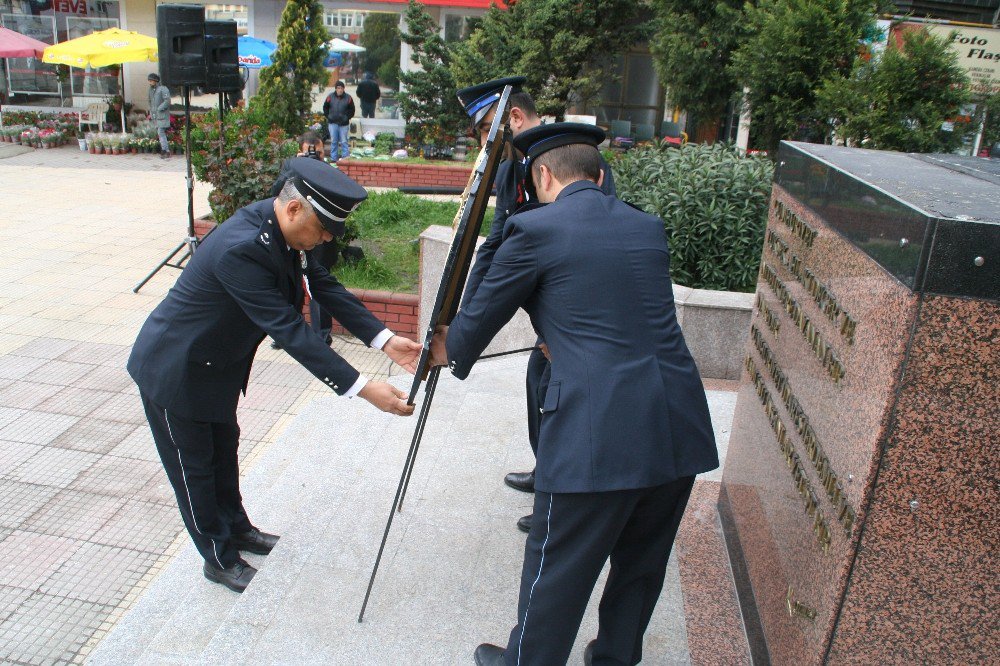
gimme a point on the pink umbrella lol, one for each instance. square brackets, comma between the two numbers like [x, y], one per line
[15, 45]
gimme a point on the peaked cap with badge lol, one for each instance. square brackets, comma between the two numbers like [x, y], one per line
[331, 193]
[477, 99]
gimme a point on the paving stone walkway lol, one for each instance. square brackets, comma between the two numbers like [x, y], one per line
[87, 518]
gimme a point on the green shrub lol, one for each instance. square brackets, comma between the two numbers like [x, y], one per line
[243, 161]
[384, 141]
[713, 201]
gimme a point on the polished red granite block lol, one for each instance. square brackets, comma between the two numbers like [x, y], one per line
[863, 393]
[781, 548]
[715, 633]
[928, 564]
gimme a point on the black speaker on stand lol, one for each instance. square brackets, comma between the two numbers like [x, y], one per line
[222, 65]
[180, 36]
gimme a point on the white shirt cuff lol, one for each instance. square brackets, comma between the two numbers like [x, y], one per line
[382, 338]
[356, 387]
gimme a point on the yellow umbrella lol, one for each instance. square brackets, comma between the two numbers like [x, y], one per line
[100, 49]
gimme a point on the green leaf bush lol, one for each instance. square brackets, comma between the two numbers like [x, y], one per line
[713, 201]
[241, 161]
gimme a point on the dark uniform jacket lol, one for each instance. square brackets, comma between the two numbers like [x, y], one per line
[510, 195]
[625, 407]
[194, 352]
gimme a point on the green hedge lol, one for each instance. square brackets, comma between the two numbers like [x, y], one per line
[713, 200]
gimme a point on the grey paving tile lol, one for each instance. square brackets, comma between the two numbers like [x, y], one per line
[137, 444]
[106, 378]
[99, 574]
[47, 348]
[118, 477]
[63, 373]
[96, 353]
[54, 467]
[144, 526]
[8, 415]
[48, 630]
[74, 514]
[18, 367]
[19, 501]
[75, 401]
[158, 491]
[37, 427]
[10, 599]
[123, 407]
[27, 559]
[26, 395]
[263, 397]
[13, 454]
[94, 435]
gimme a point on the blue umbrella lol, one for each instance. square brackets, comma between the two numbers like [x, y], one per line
[255, 53]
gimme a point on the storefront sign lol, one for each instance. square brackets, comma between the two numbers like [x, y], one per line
[978, 52]
[78, 7]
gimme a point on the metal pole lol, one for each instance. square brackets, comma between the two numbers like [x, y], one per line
[410, 456]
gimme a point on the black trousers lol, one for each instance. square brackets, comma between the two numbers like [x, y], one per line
[536, 381]
[201, 462]
[367, 109]
[572, 536]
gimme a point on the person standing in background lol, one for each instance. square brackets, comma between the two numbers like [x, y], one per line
[159, 111]
[339, 109]
[369, 94]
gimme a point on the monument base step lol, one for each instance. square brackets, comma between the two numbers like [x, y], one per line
[450, 573]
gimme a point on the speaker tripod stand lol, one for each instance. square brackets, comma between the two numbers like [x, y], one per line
[190, 242]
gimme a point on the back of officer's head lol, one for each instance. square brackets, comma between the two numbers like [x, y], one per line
[523, 101]
[570, 163]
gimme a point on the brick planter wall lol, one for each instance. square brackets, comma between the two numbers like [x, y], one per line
[399, 312]
[373, 173]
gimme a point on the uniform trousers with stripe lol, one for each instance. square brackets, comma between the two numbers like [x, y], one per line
[572, 536]
[201, 462]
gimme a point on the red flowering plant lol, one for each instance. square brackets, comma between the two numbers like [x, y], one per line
[241, 160]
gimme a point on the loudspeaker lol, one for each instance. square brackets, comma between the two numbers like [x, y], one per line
[180, 37]
[222, 68]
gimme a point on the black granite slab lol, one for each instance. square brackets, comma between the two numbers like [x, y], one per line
[929, 221]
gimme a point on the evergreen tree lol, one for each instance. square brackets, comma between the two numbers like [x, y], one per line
[381, 39]
[692, 47]
[430, 102]
[286, 86]
[794, 47]
[564, 49]
[902, 99]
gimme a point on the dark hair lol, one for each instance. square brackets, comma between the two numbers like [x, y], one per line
[576, 161]
[523, 101]
[339, 84]
[153, 76]
[311, 138]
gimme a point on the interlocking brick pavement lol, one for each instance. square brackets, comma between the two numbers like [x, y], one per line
[87, 518]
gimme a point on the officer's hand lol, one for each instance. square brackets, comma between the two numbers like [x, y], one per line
[439, 353]
[404, 352]
[386, 397]
[545, 351]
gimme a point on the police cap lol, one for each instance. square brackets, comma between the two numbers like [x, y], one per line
[332, 194]
[538, 140]
[478, 99]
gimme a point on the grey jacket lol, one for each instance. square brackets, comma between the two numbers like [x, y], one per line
[159, 106]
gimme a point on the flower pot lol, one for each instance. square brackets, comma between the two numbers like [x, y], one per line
[116, 151]
[92, 150]
[83, 144]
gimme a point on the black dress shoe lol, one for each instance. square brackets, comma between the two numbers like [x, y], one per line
[489, 655]
[588, 654]
[275, 345]
[523, 481]
[255, 541]
[524, 523]
[236, 577]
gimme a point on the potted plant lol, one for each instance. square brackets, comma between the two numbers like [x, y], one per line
[89, 140]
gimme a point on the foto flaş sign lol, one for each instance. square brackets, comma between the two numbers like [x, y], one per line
[978, 52]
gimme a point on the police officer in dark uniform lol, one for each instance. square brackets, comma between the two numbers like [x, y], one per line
[193, 355]
[625, 424]
[480, 103]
